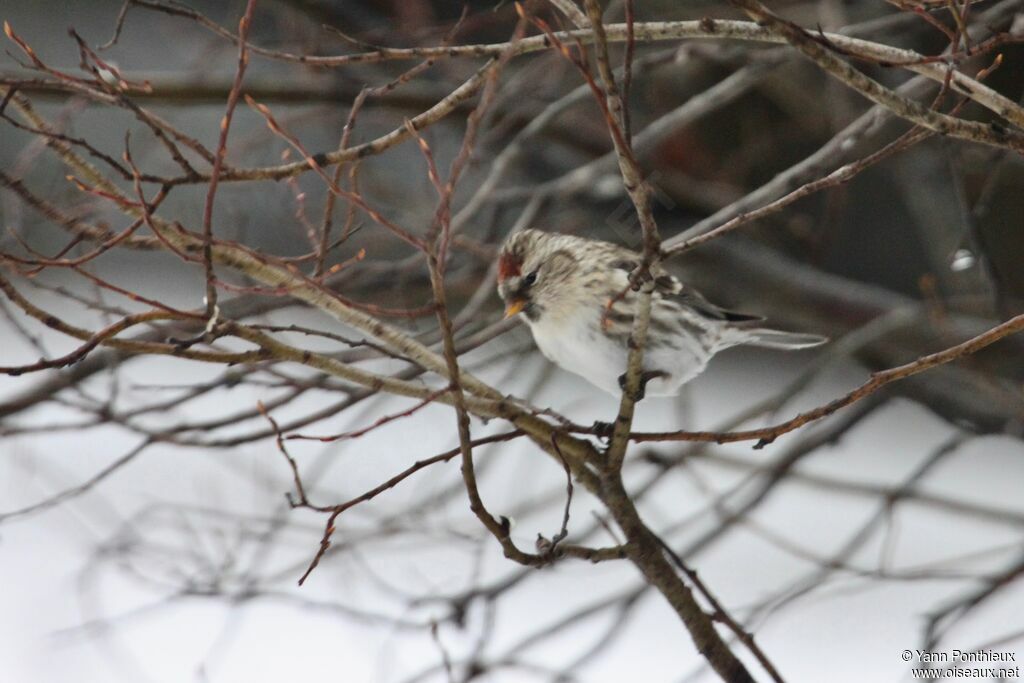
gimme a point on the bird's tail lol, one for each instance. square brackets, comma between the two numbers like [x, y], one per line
[777, 339]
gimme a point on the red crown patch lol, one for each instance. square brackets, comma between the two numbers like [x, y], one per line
[509, 265]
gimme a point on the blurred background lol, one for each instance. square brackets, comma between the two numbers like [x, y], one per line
[144, 533]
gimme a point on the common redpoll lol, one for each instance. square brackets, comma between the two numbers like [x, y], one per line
[576, 296]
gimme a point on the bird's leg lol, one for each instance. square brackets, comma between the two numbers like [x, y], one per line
[645, 377]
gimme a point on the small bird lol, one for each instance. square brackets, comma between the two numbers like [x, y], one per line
[576, 296]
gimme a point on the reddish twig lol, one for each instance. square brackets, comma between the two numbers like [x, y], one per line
[317, 167]
[91, 343]
[218, 162]
[766, 435]
[380, 422]
[329, 527]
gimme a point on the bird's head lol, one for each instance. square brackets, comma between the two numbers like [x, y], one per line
[535, 272]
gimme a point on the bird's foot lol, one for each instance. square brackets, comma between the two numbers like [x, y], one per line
[645, 377]
[603, 430]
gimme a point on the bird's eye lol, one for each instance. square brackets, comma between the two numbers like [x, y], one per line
[530, 278]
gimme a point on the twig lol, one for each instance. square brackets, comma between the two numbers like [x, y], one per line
[550, 546]
[997, 136]
[627, 70]
[644, 32]
[380, 422]
[303, 500]
[766, 435]
[314, 164]
[835, 178]
[80, 489]
[325, 542]
[218, 162]
[721, 614]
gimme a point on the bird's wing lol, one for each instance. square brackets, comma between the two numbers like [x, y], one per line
[695, 301]
[665, 284]
[670, 288]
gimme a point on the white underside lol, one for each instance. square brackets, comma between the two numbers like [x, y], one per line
[577, 345]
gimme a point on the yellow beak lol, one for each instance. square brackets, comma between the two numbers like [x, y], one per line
[514, 306]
